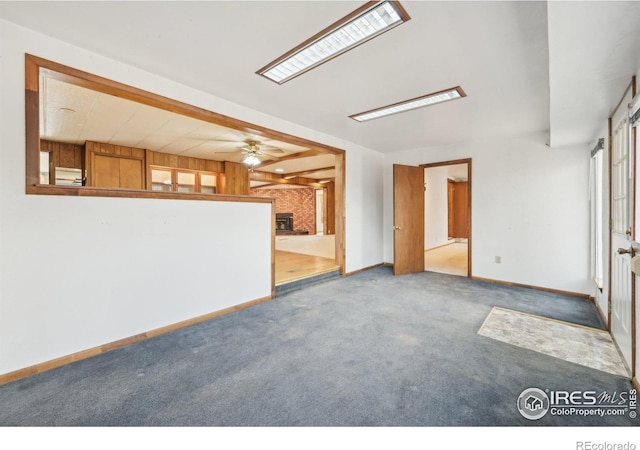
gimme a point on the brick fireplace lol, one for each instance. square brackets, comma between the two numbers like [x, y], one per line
[298, 202]
[284, 222]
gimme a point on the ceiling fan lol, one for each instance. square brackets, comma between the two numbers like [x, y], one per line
[253, 153]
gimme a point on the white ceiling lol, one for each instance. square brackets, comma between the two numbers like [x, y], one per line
[527, 67]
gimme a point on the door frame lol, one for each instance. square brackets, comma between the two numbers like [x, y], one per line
[635, 248]
[453, 162]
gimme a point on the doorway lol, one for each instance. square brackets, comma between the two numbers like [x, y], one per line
[447, 218]
[414, 231]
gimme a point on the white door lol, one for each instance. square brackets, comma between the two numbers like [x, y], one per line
[621, 223]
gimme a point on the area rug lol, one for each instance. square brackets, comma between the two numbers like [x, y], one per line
[574, 343]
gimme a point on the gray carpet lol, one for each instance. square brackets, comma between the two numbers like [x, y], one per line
[368, 350]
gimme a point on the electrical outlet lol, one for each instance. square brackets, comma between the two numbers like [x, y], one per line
[498, 259]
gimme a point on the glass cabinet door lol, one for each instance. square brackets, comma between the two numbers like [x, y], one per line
[207, 184]
[186, 182]
[161, 180]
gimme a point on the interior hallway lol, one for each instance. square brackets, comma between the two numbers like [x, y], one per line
[450, 259]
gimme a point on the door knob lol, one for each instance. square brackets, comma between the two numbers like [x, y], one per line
[622, 251]
[396, 227]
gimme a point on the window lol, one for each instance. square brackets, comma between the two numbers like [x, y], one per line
[596, 180]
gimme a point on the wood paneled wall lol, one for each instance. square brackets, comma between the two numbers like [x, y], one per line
[183, 162]
[237, 179]
[63, 154]
[233, 178]
[330, 201]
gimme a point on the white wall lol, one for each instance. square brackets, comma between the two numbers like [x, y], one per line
[436, 209]
[363, 208]
[530, 206]
[129, 275]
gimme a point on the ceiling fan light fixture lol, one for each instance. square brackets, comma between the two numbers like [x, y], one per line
[408, 105]
[251, 160]
[363, 24]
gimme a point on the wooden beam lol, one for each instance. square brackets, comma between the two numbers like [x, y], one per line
[274, 178]
[307, 172]
[305, 154]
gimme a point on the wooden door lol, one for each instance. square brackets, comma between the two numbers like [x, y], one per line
[106, 171]
[408, 219]
[131, 173]
[621, 251]
[461, 209]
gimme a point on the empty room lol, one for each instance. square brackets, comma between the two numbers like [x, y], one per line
[229, 214]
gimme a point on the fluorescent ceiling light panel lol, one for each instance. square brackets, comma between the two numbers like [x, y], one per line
[365, 23]
[414, 103]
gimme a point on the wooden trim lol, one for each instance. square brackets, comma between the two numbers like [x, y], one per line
[535, 288]
[452, 162]
[32, 137]
[636, 383]
[340, 211]
[364, 269]
[602, 315]
[337, 24]
[33, 64]
[307, 172]
[88, 353]
[72, 191]
[273, 178]
[470, 195]
[610, 256]
[273, 247]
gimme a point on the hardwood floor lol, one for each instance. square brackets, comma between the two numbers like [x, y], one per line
[295, 266]
[316, 245]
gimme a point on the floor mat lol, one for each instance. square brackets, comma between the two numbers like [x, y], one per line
[574, 343]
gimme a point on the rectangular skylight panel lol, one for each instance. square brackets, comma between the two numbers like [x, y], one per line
[341, 37]
[426, 100]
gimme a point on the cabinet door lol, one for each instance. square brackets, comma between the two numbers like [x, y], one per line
[117, 172]
[161, 180]
[131, 171]
[186, 182]
[106, 171]
[207, 183]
